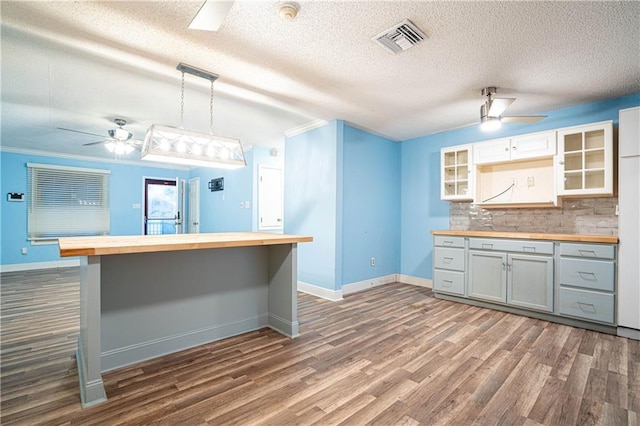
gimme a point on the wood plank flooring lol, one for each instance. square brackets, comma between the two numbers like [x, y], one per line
[393, 355]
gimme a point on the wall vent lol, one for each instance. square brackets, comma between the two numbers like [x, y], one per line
[400, 37]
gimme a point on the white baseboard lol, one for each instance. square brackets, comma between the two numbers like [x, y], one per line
[367, 284]
[67, 263]
[420, 282]
[325, 293]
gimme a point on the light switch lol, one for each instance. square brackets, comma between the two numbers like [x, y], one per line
[246, 204]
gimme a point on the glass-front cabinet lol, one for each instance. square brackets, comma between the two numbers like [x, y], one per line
[456, 173]
[585, 160]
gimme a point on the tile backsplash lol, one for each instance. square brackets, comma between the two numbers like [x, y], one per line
[577, 216]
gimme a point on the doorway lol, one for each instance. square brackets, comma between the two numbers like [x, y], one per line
[194, 206]
[162, 214]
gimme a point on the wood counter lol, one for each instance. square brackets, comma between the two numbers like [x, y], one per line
[146, 296]
[107, 245]
[609, 239]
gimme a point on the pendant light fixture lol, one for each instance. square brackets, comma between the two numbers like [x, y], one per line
[179, 146]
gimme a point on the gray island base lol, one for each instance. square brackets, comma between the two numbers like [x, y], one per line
[174, 292]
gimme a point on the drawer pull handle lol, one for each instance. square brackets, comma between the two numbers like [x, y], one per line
[529, 249]
[447, 243]
[487, 245]
[589, 253]
[504, 266]
[447, 283]
[591, 308]
[590, 276]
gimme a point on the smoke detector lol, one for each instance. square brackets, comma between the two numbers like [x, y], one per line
[400, 37]
[288, 11]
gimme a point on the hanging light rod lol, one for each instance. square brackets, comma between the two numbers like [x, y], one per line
[189, 69]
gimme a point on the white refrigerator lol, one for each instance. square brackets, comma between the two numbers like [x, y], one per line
[629, 222]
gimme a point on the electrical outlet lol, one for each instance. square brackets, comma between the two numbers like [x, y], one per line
[241, 204]
[373, 261]
[531, 181]
[514, 181]
[24, 250]
[617, 213]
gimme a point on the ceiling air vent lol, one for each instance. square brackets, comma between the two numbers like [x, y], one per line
[400, 37]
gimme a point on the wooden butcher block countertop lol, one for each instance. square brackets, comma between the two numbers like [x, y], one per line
[610, 239]
[105, 245]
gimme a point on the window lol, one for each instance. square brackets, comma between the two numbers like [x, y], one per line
[66, 201]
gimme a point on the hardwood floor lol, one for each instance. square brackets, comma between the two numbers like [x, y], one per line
[390, 355]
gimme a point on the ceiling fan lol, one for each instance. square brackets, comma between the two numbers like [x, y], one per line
[491, 111]
[119, 141]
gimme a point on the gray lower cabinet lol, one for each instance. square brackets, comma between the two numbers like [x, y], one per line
[488, 276]
[449, 265]
[530, 281]
[586, 276]
[559, 279]
[516, 279]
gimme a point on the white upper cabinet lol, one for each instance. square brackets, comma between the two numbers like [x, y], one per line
[534, 145]
[585, 160]
[456, 173]
[495, 151]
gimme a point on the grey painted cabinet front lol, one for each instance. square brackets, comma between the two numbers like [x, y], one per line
[517, 279]
[530, 281]
[488, 275]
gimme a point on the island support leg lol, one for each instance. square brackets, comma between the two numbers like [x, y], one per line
[283, 284]
[88, 354]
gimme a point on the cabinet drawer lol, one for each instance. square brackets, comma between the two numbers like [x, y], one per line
[448, 258]
[448, 281]
[446, 241]
[602, 251]
[587, 304]
[593, 274]
[519, 246]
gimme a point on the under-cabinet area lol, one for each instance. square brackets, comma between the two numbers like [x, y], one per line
[563, 278]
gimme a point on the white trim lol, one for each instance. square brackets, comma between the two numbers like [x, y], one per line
[325, 293]
[367, 284]
[95, 159]
[420, 282]
[40, 265]
[68, 168]
[305, 127]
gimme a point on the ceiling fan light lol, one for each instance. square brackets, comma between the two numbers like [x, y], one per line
[490, 124]
[111, 146]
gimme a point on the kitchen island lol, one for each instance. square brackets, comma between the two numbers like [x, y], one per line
[146, 296]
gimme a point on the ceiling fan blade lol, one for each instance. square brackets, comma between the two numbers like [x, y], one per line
[93, 143]
[79, 131]
[523, 119]
[211, 15]
[498, 105]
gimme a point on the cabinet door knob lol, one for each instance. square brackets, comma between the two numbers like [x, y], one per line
[561, 162]
[514, 147]
[506, 148]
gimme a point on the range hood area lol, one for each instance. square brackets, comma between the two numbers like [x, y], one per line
[523, 184]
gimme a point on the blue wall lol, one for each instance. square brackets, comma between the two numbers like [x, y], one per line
[371, 206]
[220, 211]
[311, 202]
[126, 183]
[421, 207]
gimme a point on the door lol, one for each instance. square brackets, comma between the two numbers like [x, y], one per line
[488, 276]
[161, 206]
[530, 281]
[194, 206]
[495, 151]
[270, 206]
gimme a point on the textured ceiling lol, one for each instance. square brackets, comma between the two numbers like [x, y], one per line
[80, 64]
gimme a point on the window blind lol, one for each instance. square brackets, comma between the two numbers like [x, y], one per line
[66, 201]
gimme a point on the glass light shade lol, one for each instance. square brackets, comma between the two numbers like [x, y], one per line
[119, 147]
[490, 123]
[178, 146]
